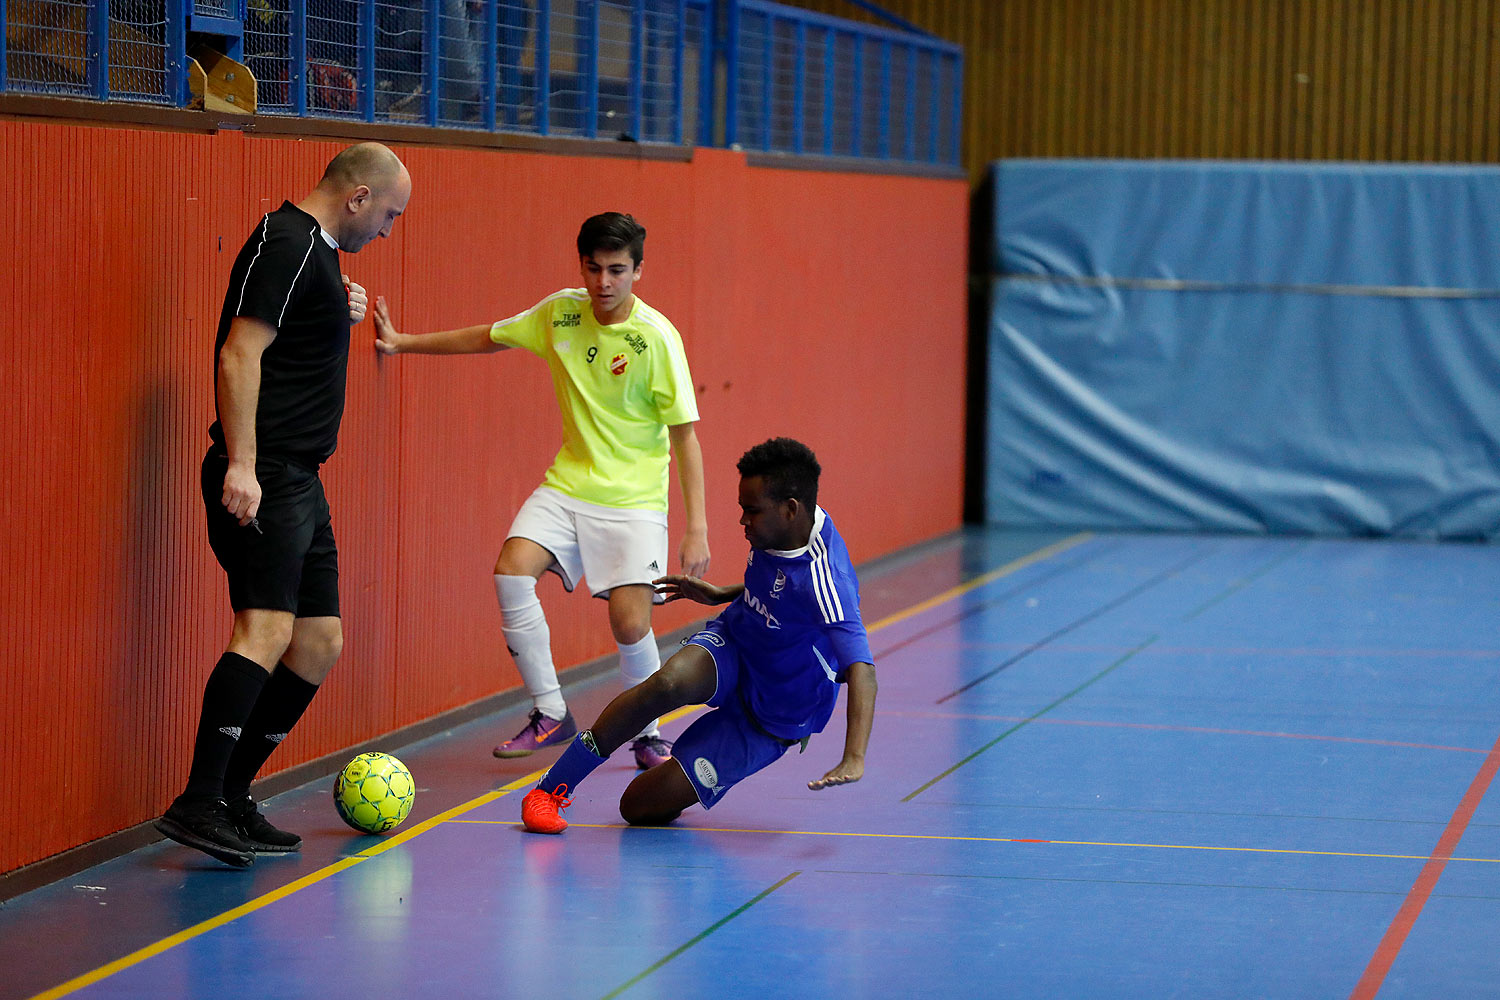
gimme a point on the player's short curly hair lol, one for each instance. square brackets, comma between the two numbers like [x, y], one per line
[789, 468]
[610, 232]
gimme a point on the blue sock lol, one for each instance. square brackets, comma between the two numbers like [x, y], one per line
[576, 763]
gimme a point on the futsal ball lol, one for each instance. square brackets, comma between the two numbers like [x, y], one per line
[374, 792]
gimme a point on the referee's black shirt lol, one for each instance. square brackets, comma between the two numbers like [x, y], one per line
[287, 275]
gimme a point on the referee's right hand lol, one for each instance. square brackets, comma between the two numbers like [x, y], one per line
[241, 493]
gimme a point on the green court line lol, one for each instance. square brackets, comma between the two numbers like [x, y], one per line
[1031, 718]
[696, 938]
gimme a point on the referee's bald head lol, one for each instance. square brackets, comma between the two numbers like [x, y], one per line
[369, 163]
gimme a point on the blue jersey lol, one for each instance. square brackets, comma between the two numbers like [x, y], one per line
[798, 629]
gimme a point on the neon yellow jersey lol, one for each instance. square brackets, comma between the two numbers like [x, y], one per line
[618, 387]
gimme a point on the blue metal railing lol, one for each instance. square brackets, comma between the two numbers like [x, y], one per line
[746, 73]
[803, 82]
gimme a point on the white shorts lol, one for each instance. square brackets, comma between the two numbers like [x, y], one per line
[608, 546]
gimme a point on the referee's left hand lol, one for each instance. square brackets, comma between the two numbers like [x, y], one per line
[358, 300]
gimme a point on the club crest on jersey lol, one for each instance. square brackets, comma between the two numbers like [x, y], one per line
[780, 583]
[617, 364]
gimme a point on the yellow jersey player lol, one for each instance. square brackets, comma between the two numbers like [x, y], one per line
[627, 403]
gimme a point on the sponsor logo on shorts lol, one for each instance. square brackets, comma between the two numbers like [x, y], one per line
[653, 567]
[712, 638]
[233, 732]
[707, 776]
[617, 364]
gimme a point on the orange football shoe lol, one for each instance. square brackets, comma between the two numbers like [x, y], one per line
[541, 811]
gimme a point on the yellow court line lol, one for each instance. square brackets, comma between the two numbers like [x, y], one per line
[1013, 840]
[260, 902]
[980, 581]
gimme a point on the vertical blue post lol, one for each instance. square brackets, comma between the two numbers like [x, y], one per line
[708, 61]
[732, 76]
[956, 110]
[487, 54]
[296, 70]
[4, 23]
[591, 74]
[432, 75]
[679, 37]
[768, 57]
[637, 83]
[857, 112]
[367, 60]
[99, 47]
[830, 67]
[909, 141]
[175, 36]
[883, 142]
[544, 67]
[935, 110]
[799, 84]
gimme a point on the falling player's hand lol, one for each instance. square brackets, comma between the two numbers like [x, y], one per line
[385, 330]
[358, 300]
[850, 769]
[677, 587]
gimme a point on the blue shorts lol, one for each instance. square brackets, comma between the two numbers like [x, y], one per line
[723, 747]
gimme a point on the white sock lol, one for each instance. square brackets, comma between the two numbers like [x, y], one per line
[530, 642]
[638, 661]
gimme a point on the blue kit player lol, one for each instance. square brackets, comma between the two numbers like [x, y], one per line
[769, 666]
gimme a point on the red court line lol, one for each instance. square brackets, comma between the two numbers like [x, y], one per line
[1188, 729]
[1395, 936]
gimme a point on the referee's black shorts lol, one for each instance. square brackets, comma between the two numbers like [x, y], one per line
[286, 560]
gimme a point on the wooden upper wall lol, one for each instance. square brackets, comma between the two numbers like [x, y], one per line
[1370, 80]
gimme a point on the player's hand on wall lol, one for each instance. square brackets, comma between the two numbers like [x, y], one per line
[694, 554]
[848, 771]
[385, 330]
[358, 300]
[241, 493]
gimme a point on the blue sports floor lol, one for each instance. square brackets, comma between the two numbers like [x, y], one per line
[1103, 767]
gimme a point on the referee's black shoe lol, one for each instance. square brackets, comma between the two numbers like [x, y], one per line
[257, 832]
[204, 824]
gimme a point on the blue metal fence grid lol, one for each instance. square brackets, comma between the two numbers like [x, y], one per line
[750, 73]
[893, 94]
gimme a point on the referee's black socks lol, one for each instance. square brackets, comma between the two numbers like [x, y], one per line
[280, 705]
[228, 699]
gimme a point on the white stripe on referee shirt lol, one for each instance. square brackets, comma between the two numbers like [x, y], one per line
[265, 222]
[312, 238]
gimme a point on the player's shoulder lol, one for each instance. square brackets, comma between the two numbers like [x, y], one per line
[653, 323]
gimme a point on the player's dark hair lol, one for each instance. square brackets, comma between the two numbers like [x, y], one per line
[610, 232]
[789, 468]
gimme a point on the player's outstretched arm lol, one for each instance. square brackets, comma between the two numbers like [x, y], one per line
[677, 588]
[468, 340]
[694, 552]
[857, 738]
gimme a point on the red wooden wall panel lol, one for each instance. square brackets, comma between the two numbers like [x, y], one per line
[824, 306]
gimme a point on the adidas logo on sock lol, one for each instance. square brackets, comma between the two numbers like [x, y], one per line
[233, 732]
[276, 737]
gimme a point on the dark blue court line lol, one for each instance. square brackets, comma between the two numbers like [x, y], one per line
[1233, 587]
[1101, 674]
[1059, 570]
[696, 938]
[1129, 595]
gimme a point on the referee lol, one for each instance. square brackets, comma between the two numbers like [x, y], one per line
[280, 360]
